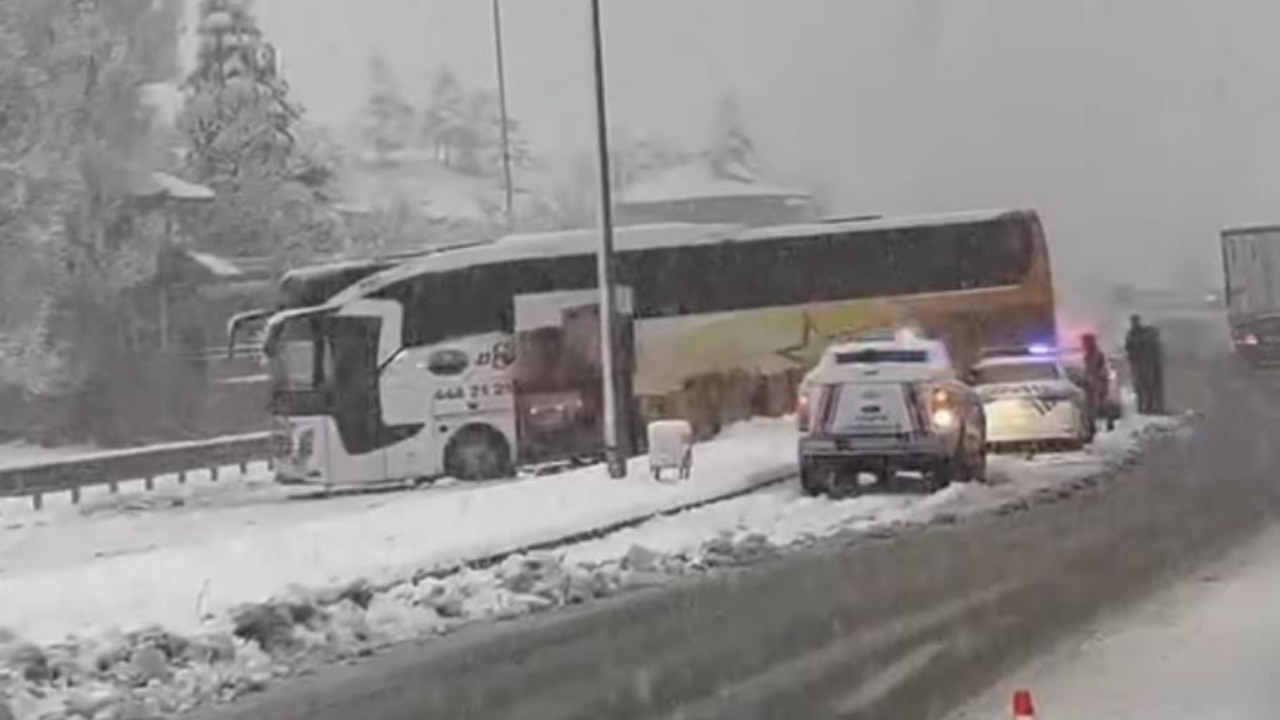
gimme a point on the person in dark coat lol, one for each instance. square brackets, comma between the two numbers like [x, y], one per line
[1138, 350]
[1156, 349]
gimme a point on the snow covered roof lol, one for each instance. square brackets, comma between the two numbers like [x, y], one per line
[838, 365]
[697, 181]
[876, 223]
[636, 237]
[159, 183]
[218, 266]
[542, 245]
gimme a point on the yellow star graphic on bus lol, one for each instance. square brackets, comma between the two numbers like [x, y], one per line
[812, 343]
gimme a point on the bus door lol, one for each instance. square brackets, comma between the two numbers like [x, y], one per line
[558, 378]
[359, 342]
[353, 442]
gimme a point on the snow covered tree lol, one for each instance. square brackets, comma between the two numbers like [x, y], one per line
[464, 129]
[732, 153]
[26, 218]
[388, 117]
[444, 122]
[635, 159]
[243, 136]
[238, 117]
[76, 230]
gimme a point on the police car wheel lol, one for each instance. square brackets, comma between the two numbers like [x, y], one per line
[812, 481]
[942, 475]
[978, 468]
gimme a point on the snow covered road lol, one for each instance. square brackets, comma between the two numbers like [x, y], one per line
[1207, 648]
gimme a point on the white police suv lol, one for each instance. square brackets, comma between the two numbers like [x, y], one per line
[1031, 400]
[888, 403]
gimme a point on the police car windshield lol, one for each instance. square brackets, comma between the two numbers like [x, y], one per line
[1016, 372]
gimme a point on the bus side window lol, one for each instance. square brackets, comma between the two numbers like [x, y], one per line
[447, 362]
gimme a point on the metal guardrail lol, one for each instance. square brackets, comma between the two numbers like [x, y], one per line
[112, 467]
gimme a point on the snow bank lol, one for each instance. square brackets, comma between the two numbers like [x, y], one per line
[180, 587]
[785, 516]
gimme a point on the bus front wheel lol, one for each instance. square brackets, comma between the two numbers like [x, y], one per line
[478, 453]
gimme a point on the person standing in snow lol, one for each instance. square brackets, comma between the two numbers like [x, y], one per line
[1156, 349]
[1097, 379]
[1137, 348]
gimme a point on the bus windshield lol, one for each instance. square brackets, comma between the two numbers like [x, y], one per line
[297, 355]
[322, 352]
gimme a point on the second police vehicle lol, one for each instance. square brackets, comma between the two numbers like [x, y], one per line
[1031, 400]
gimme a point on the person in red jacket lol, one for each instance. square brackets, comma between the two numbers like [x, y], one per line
[1097, 379]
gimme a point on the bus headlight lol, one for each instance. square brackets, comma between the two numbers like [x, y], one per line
[944, 419]
[306, 444]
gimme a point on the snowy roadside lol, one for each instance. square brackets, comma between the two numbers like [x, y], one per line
[1204, 648]
[155, 672]
[170, 580]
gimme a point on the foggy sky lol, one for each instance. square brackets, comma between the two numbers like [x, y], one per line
[1137, 127]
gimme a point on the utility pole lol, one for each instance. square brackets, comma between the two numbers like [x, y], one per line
[614, 406]
[502, 109]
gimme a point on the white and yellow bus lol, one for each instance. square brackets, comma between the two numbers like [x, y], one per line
[432, 367]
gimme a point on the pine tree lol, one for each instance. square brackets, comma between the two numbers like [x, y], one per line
[732, 154]
[444, 123]
[490, 131]
[388, 118]
[478, 140]
[243, 136]
[22, 224]
[464, 129]
[239, 118]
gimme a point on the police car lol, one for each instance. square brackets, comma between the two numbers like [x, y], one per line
[1031, 400]
[885, 404]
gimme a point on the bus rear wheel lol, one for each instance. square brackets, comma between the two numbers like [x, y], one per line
[478, 453]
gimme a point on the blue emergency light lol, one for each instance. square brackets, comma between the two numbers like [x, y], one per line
[1032, 350]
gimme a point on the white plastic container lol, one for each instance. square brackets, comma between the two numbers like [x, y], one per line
[670, 448]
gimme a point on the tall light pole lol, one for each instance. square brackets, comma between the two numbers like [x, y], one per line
[502, 109]
[613, 405]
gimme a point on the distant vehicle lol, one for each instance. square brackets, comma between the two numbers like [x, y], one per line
[472, 361]
[1251, 269]
[884, 406]
[1031, 401]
